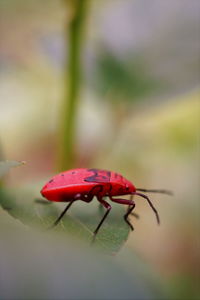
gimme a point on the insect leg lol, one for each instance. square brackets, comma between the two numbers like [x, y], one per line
[86, 198]
[150, 203]
[76, 197]
[108, 208]
[89, 196]
[62, 214]
[94, 192]
[127, 214]
[131, 205]
[133, 213]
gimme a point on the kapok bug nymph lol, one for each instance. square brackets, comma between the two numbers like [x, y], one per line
[84, 184]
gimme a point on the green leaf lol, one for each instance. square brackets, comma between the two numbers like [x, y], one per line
[5, 166]
[80, 221]
[45, 265]
[126, 79]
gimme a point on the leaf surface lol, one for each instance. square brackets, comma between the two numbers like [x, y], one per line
[80, 221]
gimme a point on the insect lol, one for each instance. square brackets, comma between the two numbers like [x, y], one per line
[84, 184]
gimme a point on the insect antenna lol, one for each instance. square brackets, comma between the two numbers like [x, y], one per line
[167, 192]
[150, 203]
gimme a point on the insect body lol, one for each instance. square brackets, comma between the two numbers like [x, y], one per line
[84, 184]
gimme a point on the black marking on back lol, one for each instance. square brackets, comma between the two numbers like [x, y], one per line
[51, 180]
[98, 176]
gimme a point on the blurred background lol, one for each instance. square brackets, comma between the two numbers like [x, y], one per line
[137, 111]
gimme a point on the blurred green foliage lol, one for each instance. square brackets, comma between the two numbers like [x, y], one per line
[123, 78]
[67, 151]
[156, 146]
[182, 128]
[55, 262]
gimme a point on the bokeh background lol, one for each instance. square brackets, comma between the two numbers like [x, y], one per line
[138, 111]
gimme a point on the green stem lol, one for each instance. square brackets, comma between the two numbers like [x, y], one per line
[72, 81]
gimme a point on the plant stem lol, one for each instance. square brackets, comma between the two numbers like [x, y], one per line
[72, 82]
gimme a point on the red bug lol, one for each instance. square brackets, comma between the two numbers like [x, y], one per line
[84, 184]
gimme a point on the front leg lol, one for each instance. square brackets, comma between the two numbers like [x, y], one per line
[133, 213]
[131, 205]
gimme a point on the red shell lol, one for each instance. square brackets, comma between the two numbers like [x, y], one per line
[66, 185]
